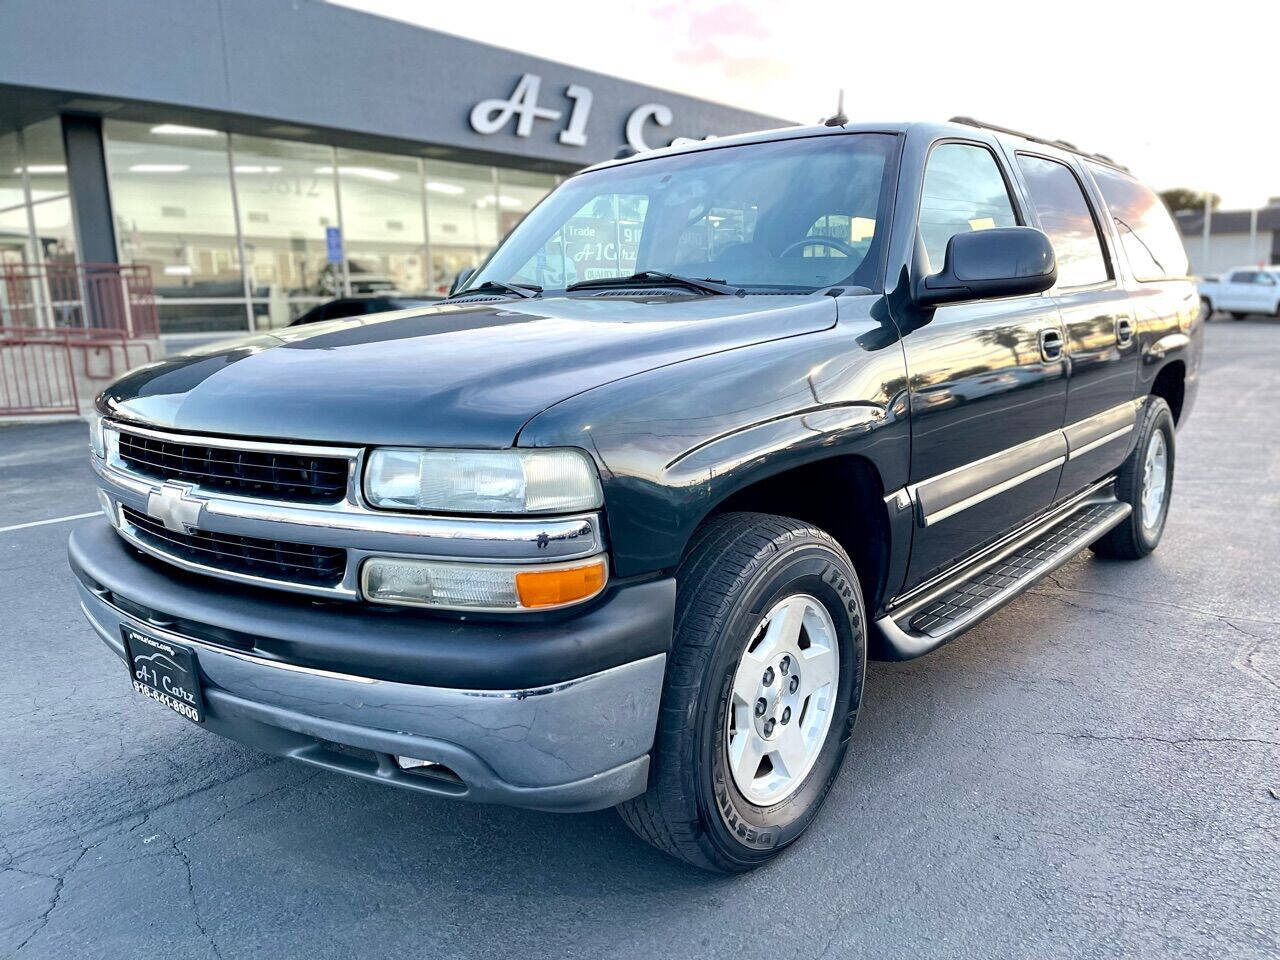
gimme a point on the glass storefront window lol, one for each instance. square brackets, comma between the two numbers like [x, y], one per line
[33, 187]
[518, 193]
[11, 193]
[46, 160]
[462, 217]
[55, 232]
[14, 245]
[384, 240]
[285, 193]
[171, 194]
[205, 316]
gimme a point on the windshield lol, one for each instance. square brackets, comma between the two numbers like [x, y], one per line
[787, 215]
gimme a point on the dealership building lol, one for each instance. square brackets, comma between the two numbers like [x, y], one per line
[261, 156]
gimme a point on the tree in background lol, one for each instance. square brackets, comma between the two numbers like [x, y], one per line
[1180, 199]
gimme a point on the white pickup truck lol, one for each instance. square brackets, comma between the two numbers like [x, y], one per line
[1242, 291]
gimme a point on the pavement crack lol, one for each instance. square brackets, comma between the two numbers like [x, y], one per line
[195, 904]
[274, 791]
[1133, 738]
[1208, 614]
[59, 882]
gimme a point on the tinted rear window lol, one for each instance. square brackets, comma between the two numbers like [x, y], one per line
[1066, 219]
[1147, 232]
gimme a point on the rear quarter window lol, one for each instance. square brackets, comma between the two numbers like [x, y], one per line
[1147, 231]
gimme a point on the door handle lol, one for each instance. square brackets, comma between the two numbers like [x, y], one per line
[1124, 331]
[1050, 344]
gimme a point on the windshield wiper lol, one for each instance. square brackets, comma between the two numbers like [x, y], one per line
[649, 277]
[522, 290]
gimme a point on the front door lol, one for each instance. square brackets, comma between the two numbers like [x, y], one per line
[1098, 316]
[987, 379]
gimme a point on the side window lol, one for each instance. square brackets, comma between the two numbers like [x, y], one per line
[1147, 231]
[1066, 219]
[1242, 276]
[963, 191]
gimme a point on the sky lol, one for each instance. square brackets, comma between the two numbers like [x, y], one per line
[1182, 93]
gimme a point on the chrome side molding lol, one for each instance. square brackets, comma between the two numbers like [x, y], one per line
[968, 485]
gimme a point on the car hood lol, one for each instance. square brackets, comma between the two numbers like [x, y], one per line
[468, 375]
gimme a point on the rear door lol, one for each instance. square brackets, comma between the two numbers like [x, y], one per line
[987, 378]
[1238, 294]
[1101, 347]
[1264, 295]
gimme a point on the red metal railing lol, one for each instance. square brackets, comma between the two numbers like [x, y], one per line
[86, 296]
[36, 375]
[105, 312]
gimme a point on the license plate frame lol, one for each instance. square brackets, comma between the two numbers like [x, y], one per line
[165, 672]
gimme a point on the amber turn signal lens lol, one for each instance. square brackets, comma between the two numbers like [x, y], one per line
[555, 588]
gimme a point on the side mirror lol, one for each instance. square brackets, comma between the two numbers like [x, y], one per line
[461, 279]
[1005, 262]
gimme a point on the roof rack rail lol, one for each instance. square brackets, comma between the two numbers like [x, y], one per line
[1064, 144]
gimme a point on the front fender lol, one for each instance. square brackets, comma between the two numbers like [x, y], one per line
[673, 443]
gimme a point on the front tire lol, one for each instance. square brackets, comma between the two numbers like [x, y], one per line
[763, 686]
[1145, 482]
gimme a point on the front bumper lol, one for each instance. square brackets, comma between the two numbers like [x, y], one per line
[571, 743]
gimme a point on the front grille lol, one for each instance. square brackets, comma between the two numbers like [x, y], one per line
[263, 473]
[272, 559]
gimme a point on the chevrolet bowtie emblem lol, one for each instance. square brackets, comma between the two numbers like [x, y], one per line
[173, 505]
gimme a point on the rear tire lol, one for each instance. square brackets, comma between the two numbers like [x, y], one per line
[768, 614]
[1206, 309]
[1145, 482]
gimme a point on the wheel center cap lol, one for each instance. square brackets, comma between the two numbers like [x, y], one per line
[777, 696]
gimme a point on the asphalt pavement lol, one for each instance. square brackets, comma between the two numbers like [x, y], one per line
[1093, 772]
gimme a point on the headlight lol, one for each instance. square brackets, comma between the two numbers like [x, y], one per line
[482, 481]
[478, 586]
[97, 443]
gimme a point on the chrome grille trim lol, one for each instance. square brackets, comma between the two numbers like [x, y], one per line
[343, 591]
[296, 563]
[349, 525]
[278, 475]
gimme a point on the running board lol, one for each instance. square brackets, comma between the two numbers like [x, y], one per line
[921, 622]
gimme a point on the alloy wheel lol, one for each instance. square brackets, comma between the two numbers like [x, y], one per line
[1155, 476]
[782, 700]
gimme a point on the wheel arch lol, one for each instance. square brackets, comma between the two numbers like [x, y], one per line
[842, 494]
[1170, 384]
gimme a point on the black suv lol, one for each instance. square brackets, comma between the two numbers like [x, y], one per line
[620, 521]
